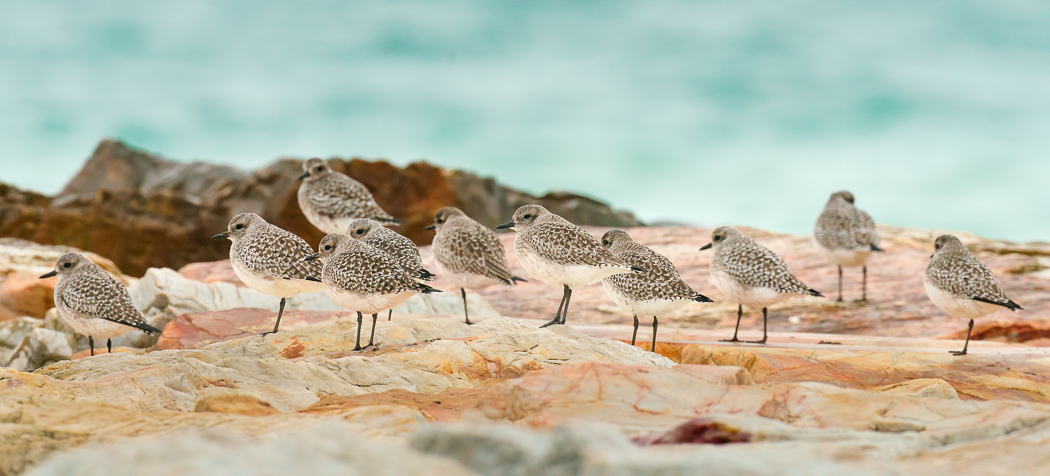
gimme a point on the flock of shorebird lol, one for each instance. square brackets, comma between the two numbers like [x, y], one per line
[368, 268]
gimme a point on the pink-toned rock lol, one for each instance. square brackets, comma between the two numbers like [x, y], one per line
[211, 272]
[27, 295]
[195, 330]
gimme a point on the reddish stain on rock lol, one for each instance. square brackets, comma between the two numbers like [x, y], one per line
[697, 431]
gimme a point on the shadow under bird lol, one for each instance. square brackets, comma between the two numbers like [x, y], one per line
[269, 259]
[846, 236]
[468, 254]
[393, 243]
[961, 285]
[559, 253]
[657, 291]
[364, 279]
[752, 275]
[331, 200]
[94, 303]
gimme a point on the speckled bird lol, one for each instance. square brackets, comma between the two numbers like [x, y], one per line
[750, 274]
[846, 236]
[364, 279]
[331, 200]
[468, 255]
[269, 259]
[559, 253]
[657, 291]
[94, 303]
[959, 284]
[395, 244]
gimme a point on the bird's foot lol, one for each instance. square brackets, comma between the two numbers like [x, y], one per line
[839, 300]
[730, 340]
[556, 320]
[469, 323]
[357, 348]
[763, 341]
[957, 352]
[861, 301]
[268, 332]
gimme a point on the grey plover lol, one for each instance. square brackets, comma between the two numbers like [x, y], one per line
[959, 284]
[395, 244]
[364, 279]
[559, 253]
[269, 259]
[846, 236]
[468, 254]
[657, 291]
[750, 274]
[331, 200]
[94, 303]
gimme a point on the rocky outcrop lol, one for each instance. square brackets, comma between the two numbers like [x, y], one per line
[144, 211]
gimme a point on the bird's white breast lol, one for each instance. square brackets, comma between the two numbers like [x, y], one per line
[956, 306]
[554, 274]
[650, 307]
[735, 291]
[843, 257]
[277, 287]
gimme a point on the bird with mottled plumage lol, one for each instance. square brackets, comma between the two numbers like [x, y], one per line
[331, 200]
[94, 303]
[468, 255]
[269, 259]
[750, 274]
[846, 236]
[364, 279]
[395, 244]
[559, 253]
[656, 291]
[961, 285]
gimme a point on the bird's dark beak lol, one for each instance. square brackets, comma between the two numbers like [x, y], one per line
[303, 175]
[49, 274]
[505, 225]
[431, 227]
[311, 257]
[707, 246]
[222, 235]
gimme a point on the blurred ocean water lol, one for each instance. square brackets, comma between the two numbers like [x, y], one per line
[935, 114]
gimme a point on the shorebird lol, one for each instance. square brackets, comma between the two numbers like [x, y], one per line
[269, 259]
[331, 200]
[750, 274]
[364, 279]
[468, 254]
[393, 243]
[846, 236]
[959, 284]
[559, 253]
[657, 291]
[94, 303]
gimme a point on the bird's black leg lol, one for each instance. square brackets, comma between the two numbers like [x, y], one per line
[864, 284]
[109, 346]
[91, 343]
[568, 297]
[360, 319]
[390, 315]
[840, 284]
[280, 312]
[557, 315]
[465, 314]
[653, 348]
[965, 346]
[635, 335]
[765, 320]
[372, 338]
[739, 313]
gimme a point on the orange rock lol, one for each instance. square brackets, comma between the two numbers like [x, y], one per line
[211, 272]
[235, 404]
[195, 330]
[27, 295]
[100, 348]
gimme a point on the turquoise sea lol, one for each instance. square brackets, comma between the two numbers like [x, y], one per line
[935, 114]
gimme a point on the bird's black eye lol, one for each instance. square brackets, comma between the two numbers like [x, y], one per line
[319, 168]
[327, 247]
[527, 216]
[67, 265]
[238, 226]
[360, 231]
[441, 220]
[605, 242]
